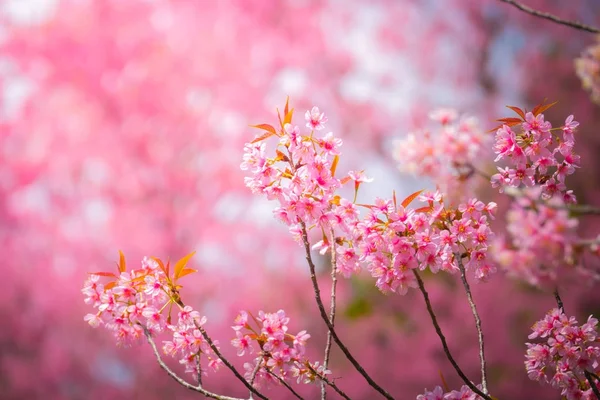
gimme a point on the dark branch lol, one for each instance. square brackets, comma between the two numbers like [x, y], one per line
[463, 276]
[590, 379]
[179, 380]
[553, 18]
[331, 310]
[439, 332]
[325, 318]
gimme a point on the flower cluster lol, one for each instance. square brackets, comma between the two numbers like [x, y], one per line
[465, 393]
[447, 157]
[301, 175]
[567, 352]
[391, 239]
[281, 355]
[588, 69]
[135, 301]
[536, 154]
[542, 241]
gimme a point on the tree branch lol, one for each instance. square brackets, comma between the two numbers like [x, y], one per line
[284, 383]
[215, 349]
[439, 332]
[559, 301]
[553, 18]
[590, 379]
[463, 276]
[328, 382]
[179, 380]
[332, 307]
[325, 318]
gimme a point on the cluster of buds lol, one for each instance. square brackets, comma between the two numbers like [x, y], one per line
[568, 356]
[135, 302]
[280, 355]
[446, 155]
[536, 154]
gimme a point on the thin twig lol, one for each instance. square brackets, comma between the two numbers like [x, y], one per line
[559, 301]
[553, 18]
[325, 318]
[323, 378]
[439, 332]
[331, 309]
[179, 380]
[255, 371]
[463, 276]
[199, 369]
[284, 383]
[590, 379]
[215, 349]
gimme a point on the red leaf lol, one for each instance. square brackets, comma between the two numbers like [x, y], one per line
[288, 117]
[265, 127]
[394, 198]
[122, 265]
[518, 111]
[424, 209]
[287, 106]
[110, 274]
[541, 108]
[410, 198]
[161, 265]
[187, 271]
[509, 121]
[334, 164]
[263, 137]
[180, 265]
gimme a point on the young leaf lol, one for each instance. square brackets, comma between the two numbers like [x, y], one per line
[410, 198]
[281, 156]
[518, 111]
[265, 127]
[334, 164]
[286, 109]
[424, 209]
[122, 266]
[180, 265]
[537, 110]
[345, 180]
[160, 265]
[109, 274]
[262, 137]
[288, 117]
[187, 271]
[509, 121]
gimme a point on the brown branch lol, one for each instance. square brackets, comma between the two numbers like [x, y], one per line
[178, 379]
[331, 310]
[463, 276]
[439, 332]
[553, 18]
[284, 383]
[215, 349]
[325, 318]
[559, 301]
[323, 378]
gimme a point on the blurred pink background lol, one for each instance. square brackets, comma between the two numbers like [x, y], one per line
[122, 125]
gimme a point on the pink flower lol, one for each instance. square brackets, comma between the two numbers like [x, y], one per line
[315, 119]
